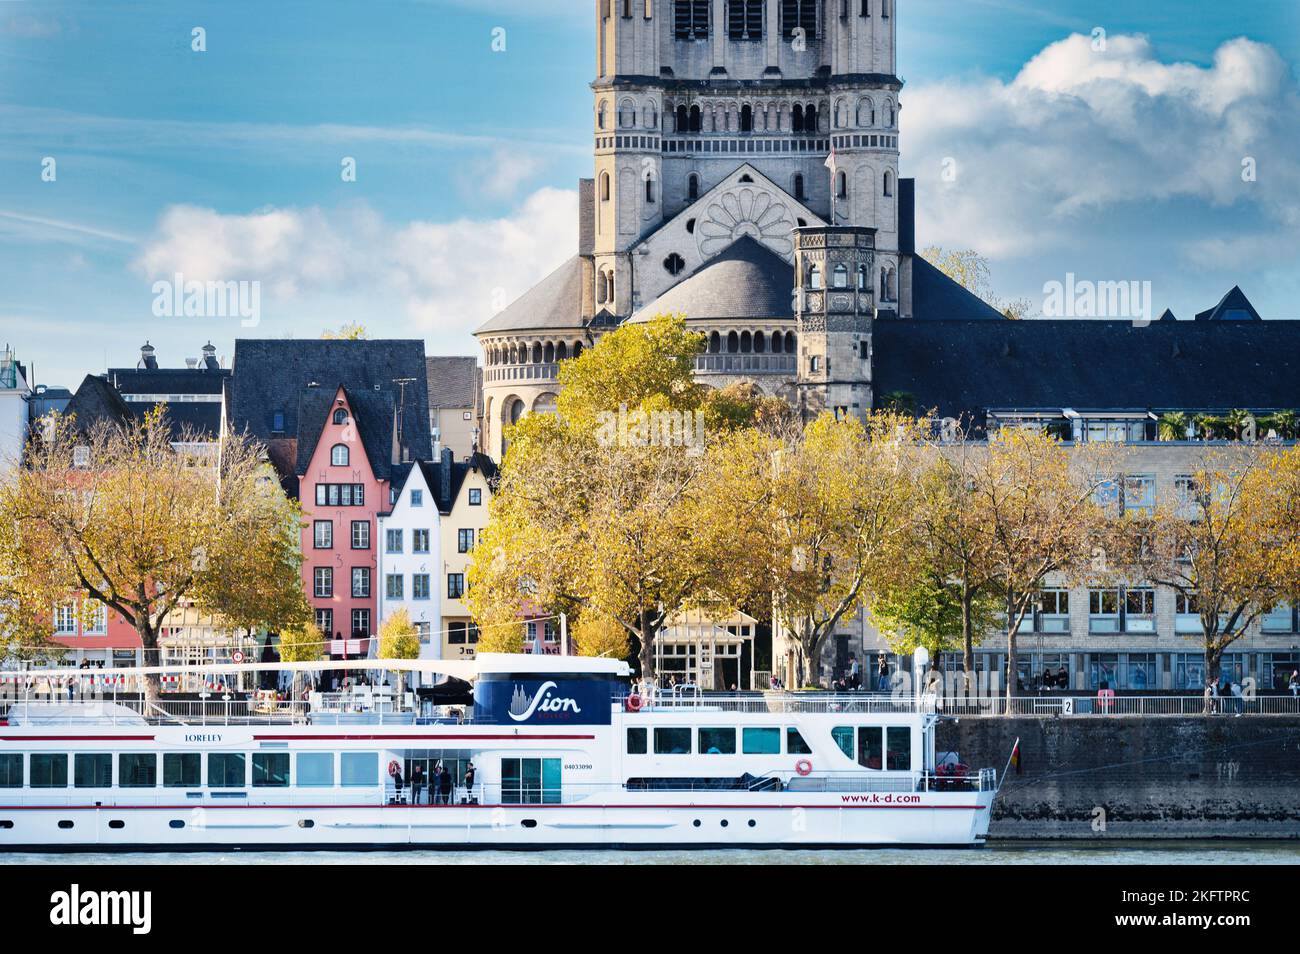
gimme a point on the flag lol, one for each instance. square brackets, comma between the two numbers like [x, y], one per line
[830, 160]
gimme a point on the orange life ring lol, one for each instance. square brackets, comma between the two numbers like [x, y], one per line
[394, 769]
[803, 767]
[634, 702]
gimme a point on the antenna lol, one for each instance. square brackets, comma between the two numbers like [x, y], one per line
[401, 403]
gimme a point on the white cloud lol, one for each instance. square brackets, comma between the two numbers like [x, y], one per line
[30, 28]
[1081, 133]
[448, 276]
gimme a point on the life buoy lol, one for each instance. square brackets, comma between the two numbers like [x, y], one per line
[634, 702]
[803, 767]
[394, 769]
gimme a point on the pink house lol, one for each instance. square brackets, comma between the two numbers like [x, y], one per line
[341, 500]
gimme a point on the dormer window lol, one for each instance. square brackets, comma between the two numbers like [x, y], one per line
[81, 456]
[340, 416]
[277, 422]
[339, 455]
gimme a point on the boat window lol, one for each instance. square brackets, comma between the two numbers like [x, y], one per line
[636, 742]
[92, 770]
[359, 768]
[226, 770]
[11, 771]
[530, 781]
[794, 743]
[315, 769]
[762, 741]
[672, 741]
[843, 736]
[717, 741]
[137, 771]
[871, 746]
[898, 748]
[270, 769]
[182, 770]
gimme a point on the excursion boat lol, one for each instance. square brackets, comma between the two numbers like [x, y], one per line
[564, 753]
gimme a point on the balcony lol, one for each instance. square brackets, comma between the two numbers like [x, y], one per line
[745, 363]
[524, 372]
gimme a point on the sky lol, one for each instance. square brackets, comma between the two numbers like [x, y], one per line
[1155, 141]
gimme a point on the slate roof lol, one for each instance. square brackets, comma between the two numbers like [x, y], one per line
[434, 469]
[96, 400]
[554, 302]
[372, 412]
[1234, 306]
[967, 367]
[271, 375]
[746, 280]
[936, 297]
[453, 381]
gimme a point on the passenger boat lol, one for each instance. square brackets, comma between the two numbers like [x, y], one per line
[565, 753]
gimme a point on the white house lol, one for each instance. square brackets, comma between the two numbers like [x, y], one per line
[14, 391]
[409, 553]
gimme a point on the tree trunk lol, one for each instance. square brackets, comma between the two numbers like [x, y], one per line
[967, 639]
[151, 656]
[812, 659]
[1213, 671]
[1011, 657]
[646, 633]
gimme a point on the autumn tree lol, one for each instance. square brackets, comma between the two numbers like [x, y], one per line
[1226, 539]
[301, 642]
[399, 639]
[598, 635]
[969, 269]
[120, 515]
[348, 331]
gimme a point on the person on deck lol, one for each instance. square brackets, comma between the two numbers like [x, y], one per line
[417, 783]
[435, 785]
[445, 787]
[470, 798]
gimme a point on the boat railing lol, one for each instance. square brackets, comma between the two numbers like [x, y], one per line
[776, 702]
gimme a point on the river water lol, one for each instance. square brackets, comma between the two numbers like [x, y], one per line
[1020, 853]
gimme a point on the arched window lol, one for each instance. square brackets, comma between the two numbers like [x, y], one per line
[651, 116]
[340, 416]
[889, 183]
[695, 119]
[683, 120]
[537, 352]
[884, 285]
[715, 343]
[796, 118]
[866, 113]
[760, 342]
[746, 118]
[863, 280]
[600, 288]
[776, 342]
[733, 343]
[810, 119]
[548, 355]
[627, 114]
[798, 187]
[649, 190]
[841, 185]
[561, 351]
[339, 455]
[841, 114]
[604, 187]
[815, 277]
[889, 115]
[789, 342]
[693, 186]
[746, 342]
[577, 348]
[840, 277]
[890, 282]
[602, 117]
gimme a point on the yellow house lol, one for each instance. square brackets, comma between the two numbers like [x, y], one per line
[464, 497]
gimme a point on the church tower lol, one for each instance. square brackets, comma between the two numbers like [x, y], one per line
[834, 308]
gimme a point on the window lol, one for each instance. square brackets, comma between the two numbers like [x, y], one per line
[358, 769]
[841, 185]
[323, 534]
[1103, 611]
[340, 415]
[1140, 611]
[814, 278]
[815, 363]
[475, 497]
[799, 14]
[182, 770]
[794, 743]
[745, 19]
[92, 770]
[96, 619]
[636, 743]
[455, 586]
[393, 541]
[270, 769]
[65, 620]
[226, 770]
[898, 748]
[315, 769]
[419, 586]
[798, 188]
[464, 540]
[417, 498]
[361, 534]
[690, 19]
[1140, 671]
[650, 190]
[393, 586]
[1187, 614]
[360, 622]
[1139, 495]
[888, 181]
[1103, 671]
[672, 741]
[11, 771]
[1280, 619]
[530, 781]
[277, 422]
[1189, 671]
[339, 455]
[1054, 611]
[761, 741]
[717, 741]
[325, 621]
[840, 277]
[843, 737]
[423, 632]
[324, 582]
[340, 495]
[137, 771]
[361, 582]
[49, 771]
[674, 264]
[871, 747]
[461, 633]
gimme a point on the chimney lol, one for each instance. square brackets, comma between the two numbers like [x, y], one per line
[444, 475]
[210, 357]
[147, 359]
[191, 363]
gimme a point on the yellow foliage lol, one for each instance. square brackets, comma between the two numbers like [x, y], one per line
[598, 635]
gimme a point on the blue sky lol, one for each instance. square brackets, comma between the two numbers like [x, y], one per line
[227, 162]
